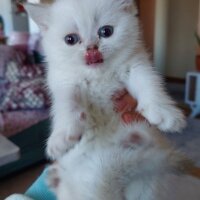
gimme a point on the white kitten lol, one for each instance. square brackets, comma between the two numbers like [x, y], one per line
[93, 48]
[146, 168]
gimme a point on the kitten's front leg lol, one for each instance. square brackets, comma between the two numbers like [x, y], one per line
[68, 123]
[153, 102]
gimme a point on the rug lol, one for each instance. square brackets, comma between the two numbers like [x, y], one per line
[189, 140]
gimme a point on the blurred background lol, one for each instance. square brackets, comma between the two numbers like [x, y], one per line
[171, 34]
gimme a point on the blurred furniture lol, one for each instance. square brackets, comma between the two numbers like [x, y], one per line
[192, 92]
[24, 105]
[9, 152]
[18, 38]
[3, 40]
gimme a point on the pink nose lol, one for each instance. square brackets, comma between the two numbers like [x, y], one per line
[93, 55]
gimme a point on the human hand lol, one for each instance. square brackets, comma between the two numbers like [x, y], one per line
[125, 104]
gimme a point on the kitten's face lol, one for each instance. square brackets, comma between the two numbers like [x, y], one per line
[90, 32]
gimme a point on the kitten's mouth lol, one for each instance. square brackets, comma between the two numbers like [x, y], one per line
[93, 56]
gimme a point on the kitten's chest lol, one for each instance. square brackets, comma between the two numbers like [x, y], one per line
[96, 96]
[100, 89]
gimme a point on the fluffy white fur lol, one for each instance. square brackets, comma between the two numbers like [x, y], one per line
[110, 171]
[111, 161]
[79, 89]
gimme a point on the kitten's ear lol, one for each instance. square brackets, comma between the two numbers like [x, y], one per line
[39, 13]
[128, 5]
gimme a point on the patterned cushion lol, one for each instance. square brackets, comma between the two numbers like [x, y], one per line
[17, 64]
[16, 72]
[21, 81]
[24, 95]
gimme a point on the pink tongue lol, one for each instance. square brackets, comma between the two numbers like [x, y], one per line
[93, 56]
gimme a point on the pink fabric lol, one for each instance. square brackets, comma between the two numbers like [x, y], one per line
[22, 84]
[16, 72]
[19, 38]
[25, 95]
[12, 123]
[23, 98]
[14, 54]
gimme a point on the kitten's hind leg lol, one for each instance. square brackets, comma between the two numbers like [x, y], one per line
[60, 142]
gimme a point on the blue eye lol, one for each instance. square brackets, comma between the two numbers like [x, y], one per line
[72, 39]
[105, 31]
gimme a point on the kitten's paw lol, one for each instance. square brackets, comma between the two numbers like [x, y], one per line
[59, 143]
[166, 118]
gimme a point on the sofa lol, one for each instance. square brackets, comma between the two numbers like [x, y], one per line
[24, 104]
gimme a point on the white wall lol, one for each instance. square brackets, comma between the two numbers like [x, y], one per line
[160, 39]
[33, 27]
[20, 23]
[181, 44]
[12, 21]
[5, 11]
